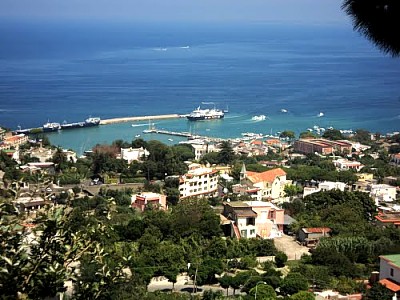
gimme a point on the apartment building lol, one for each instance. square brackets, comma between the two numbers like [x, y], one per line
[198, 181]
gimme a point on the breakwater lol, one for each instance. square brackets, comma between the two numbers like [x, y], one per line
[139, 118]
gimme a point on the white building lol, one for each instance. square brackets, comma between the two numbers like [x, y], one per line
[201, 149]
[324, 186]
[383, 193]
[132, 154]
[342, 164]
[198, 181]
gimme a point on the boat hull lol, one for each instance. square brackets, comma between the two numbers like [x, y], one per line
[201, 118]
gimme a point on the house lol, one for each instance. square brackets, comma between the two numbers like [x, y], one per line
[133, 154]
[333, 295]
[252, 219]
[43, 154]
[395, 159]
[342, 164]
[386, 218]
[365, 176]
[13, 141]
[269, 184]
[43, 167]
[383, 193]
[202, 148]
[324, 186]
[30, 204]
[146, 199]
[322, 146]
[310, 236]
[389, 272]
[198, 181]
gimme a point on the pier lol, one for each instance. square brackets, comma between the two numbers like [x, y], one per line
[139, 118]
[182, 134]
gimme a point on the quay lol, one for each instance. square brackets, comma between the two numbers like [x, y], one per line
[139, 118]
[182, 134]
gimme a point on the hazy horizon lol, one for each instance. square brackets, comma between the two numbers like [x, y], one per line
[275, 11]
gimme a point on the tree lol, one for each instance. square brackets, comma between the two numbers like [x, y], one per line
[225, 282]
[377, 20]
[307, 134]
[287, 134]
[171, 273]
[264, 291]
[379, 292]
[303, 295]
[226, 155]
[362, 136]
[293, 283]
[280, 259]
[333, 134]
[212, 295]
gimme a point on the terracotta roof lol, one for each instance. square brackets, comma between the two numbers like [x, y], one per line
[256, 142]
[267, 176]
[390, 285]
[317, 230]
[272, 142]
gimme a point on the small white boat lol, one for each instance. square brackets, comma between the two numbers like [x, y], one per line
[321, 114]
[283, 110]
[171, 140]
[259, 118]
[138, 135]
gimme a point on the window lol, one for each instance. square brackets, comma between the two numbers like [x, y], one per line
[243, 233]
[252, 232]
[271, 214]
[250, 221]
[391, 272]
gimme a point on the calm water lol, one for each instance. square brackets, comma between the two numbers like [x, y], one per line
[57, 72]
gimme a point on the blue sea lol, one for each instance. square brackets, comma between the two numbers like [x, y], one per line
[68, 71]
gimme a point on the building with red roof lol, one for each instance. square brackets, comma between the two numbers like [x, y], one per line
[389, 272]
[310, 236]
[262, 185]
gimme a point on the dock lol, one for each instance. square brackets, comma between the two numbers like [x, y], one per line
[139, 118]
[182, 134]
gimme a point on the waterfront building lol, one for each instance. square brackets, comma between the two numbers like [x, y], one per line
[198, 181]
[13, 141]
[251, 219]
[200, 149]
[146, 199]
[322, 146]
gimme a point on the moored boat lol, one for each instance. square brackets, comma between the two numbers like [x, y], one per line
[205, 114]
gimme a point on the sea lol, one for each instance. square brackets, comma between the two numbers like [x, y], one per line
[300, 76]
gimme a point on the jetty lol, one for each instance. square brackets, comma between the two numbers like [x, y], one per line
[139, 118]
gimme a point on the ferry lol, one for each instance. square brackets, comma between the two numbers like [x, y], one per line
[205, 114]
[89, 122]
[49, 127]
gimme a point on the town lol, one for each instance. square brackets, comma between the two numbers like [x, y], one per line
[313, 217]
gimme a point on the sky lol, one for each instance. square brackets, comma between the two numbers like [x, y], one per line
[307, 11]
